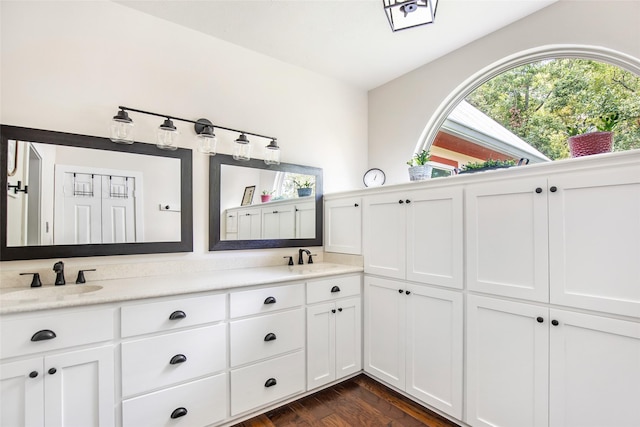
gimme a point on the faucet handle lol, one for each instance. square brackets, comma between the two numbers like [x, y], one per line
[310, 261]
[80, 278]
[35, 282]
[290, 260]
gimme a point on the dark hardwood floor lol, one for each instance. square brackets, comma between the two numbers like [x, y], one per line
[359, 401]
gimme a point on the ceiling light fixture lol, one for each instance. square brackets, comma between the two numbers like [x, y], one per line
[404, 14]
[168, 134]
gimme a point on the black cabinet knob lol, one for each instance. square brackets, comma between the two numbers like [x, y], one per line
[538, 190]
[43, 335]
[179, 412]
[407, 201]
[178, 314]
[33, 374]
[401, 201]
[333, 310]
[553, 189]
[539, 319]
[356, 205]
[407, 292]
[270, 300]
[177, 359]
[555, 322]
[400, 291]
[270, 337]
[270, 382]
[52, 371]
[340, 310]
[335, 289]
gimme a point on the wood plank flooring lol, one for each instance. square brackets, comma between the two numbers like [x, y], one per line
[357, 402]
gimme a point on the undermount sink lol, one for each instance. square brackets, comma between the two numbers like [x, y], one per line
[49, 292]
[311, 268]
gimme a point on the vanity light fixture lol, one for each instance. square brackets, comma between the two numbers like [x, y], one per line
[168, 134]
[404, 14]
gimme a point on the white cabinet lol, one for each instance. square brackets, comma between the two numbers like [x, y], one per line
[558, 239]
[343, 225]
[415, 235]
[413, 340]
[63, 388]
[249, 224]
[528, 365]
[305, 220]
[334, 329]
[278, 222]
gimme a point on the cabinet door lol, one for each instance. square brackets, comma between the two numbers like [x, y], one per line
[21, 396]
[343, 226]
[434, 237]
[384, 238]
[384, 338]
[434, 348]
[305, 223]
[278, 222]
[79, 388]
[321, 345]
[348, 332]
[595, 371]
[507, 363]
[594, 229]
[507, 239]
[249, 224]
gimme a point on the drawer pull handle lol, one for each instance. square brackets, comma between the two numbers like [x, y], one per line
[540, 319]
[52, 371]
[178, 412]
[270, 337]
[270, 382]
[270, 300]
[43, 335]
[538, 190]
[340, 309]
[178, 314]
[33, 374]
[177, 359]
[335, 289]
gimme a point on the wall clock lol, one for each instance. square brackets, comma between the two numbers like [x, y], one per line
[374, 178]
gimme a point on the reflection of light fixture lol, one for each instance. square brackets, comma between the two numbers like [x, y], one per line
[242, 149]
[122, 128]
[167, 137]
[272, 153]
[403, 14]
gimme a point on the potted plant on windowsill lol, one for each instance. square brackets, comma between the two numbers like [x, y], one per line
[419, 170]
[305, 187]
[586, 139]
[266, 196]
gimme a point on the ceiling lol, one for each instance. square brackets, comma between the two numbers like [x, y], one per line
[349, 40]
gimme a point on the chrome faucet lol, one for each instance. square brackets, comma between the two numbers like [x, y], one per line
[58, 267]
[300, 252]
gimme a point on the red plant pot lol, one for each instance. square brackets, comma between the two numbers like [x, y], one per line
[265, 198]
[590, 143]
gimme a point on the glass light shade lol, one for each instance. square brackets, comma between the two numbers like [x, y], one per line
[403, 14]
[167, 136]
[272, 153]
[207, 144]
[122, 128]
[242, 149]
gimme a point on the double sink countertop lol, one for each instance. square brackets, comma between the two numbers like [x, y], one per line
[26, 299]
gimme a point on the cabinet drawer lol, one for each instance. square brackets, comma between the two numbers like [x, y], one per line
[171, 314]
[205, 403]
[264, 336]
[265, 300]
[334, 288]
[147, 363]
[266, 382]
[56, 331]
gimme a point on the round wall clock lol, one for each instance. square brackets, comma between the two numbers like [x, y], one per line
[374, 178]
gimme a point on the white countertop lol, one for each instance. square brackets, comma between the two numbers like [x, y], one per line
[115, 290]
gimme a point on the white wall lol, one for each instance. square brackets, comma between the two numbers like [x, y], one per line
[67, 65]
[400, 109]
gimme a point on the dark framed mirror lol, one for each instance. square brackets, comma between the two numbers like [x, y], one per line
[76, 195]
[253, 205]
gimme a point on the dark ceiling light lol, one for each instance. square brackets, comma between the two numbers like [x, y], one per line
[404, 14]
[167, 136]
[122, 128]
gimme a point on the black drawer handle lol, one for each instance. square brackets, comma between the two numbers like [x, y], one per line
[555, 322]
[400, 291]
[407, 292]
[553, 189]
[333, 310]
[52, 371]
[540, 319]
[270, 337]
[270, 300]
[270, 382]
[43, 335]
[177, 359]
[335, 289]
[178, 314]
[178, 412]
[33, 374]
[340, 310]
